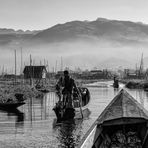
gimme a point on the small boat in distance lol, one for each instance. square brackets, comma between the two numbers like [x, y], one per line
[116, 83]
[123, 123]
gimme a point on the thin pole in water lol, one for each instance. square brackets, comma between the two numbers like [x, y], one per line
[80, 101]
[15, 65]
[31, 71]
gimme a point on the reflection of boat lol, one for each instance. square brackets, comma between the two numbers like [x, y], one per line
[15, 112]
[66, 133]
[123, 123]
[67, 113]
[10, 105]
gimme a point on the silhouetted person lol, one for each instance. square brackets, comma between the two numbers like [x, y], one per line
[67, 84]
[116, 82]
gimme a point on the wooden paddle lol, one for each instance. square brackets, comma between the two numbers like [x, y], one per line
[80, 101]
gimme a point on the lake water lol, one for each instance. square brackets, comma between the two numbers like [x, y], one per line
[32, 126]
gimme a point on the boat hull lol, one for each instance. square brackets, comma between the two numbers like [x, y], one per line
[76, 110]
[129, 135]
[64, 114]
[10, 106]
[123, 123]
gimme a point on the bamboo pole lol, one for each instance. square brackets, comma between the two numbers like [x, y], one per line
[80, 102]
[15, 65]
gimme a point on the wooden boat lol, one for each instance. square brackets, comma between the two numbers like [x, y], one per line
[84, 100]
[116, 83]
[11, 105]
[122, 124]
[70, 112]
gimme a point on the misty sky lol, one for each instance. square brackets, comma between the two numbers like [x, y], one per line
[42, 14]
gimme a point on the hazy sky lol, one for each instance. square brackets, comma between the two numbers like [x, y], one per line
[42, 14]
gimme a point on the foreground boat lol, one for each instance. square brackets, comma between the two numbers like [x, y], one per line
[122, 124]
[78, 109]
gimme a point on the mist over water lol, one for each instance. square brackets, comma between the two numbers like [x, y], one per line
[86, 55]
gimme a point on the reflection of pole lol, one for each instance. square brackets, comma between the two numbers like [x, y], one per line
[31, 110]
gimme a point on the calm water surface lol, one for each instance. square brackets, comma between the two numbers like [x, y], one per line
[32, 125]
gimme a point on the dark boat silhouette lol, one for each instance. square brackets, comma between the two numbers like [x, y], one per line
[11, 105]
[78, 110]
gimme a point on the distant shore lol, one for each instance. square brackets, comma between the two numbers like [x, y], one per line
[135, 83]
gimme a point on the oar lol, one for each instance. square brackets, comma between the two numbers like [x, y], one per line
[80, 99]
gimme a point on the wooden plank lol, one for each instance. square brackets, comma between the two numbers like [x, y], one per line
[89, 141]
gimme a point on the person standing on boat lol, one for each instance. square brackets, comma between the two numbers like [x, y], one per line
[67, 84]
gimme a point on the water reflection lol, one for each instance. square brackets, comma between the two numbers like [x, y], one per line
[116, 90]
[35, 120]
[19, 120]
[67, 135]
[39, 108]
[141, 96]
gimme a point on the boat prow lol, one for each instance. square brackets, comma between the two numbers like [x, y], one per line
[11, 105]
[123, 123]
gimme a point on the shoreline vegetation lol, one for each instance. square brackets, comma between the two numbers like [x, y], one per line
[8, 88]
[135, 83]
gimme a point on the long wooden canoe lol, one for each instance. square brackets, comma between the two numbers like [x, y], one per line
[122, 124]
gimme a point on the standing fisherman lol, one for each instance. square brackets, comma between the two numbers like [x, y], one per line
[68, 84]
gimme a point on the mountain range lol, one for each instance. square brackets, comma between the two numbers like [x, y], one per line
[90, 42]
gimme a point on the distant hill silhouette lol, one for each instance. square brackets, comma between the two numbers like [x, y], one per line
[101, 29]
[121, 32]
[84, 42]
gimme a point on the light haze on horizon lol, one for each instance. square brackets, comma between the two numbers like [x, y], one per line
[43, 14]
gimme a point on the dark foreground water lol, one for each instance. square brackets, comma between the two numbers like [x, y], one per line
[32, 125]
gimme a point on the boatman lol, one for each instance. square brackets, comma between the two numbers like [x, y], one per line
[67, 84]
